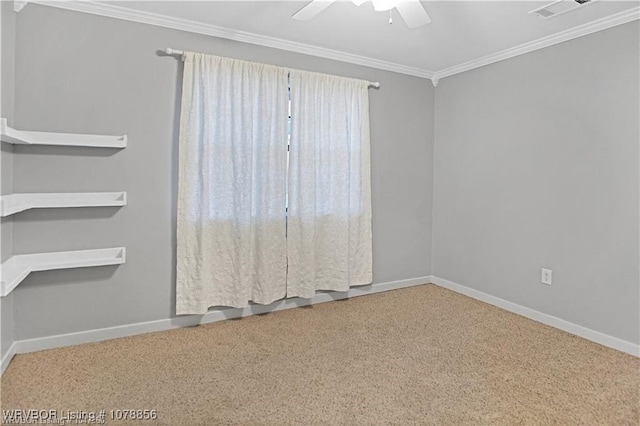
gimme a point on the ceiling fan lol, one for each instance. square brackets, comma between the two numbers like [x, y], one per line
[411, 11]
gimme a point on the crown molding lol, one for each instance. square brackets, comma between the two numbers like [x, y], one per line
[118, 12]
[566, 35]
[113, 11]
[19, 5]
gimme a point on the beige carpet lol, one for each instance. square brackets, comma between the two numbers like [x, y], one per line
[422, 355]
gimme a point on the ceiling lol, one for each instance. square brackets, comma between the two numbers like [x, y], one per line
[460, 31]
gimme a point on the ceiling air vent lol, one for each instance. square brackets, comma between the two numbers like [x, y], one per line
[559, 7]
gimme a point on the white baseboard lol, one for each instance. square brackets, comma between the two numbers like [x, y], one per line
[578, 330]
[6, 359]
[98, 335]
[90, 336]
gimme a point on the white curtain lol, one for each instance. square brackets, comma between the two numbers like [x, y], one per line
[329, 218]
[231, 246]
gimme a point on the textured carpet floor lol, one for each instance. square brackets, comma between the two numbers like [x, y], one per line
[422, 355]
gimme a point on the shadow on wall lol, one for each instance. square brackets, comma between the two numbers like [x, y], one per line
[66, 151]
[61, 215]
[79, 276]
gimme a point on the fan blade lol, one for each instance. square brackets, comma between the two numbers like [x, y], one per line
[312, 9]
[413, 13]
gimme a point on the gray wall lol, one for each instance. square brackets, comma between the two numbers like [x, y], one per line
[6, 162]
[82, 73]
[536, 165]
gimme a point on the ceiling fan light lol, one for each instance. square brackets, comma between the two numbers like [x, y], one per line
[382, 5]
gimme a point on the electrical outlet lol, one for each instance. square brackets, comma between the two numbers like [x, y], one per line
[547, 276]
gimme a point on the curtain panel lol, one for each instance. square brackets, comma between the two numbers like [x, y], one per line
[329, 243]
[231, 246]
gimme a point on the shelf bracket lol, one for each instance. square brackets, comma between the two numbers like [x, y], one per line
[19, 5]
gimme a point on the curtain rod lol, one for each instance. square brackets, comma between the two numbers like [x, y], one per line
[171, 52]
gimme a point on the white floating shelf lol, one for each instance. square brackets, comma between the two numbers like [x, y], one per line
[14, 203]
[21, 137]
[16, 269]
